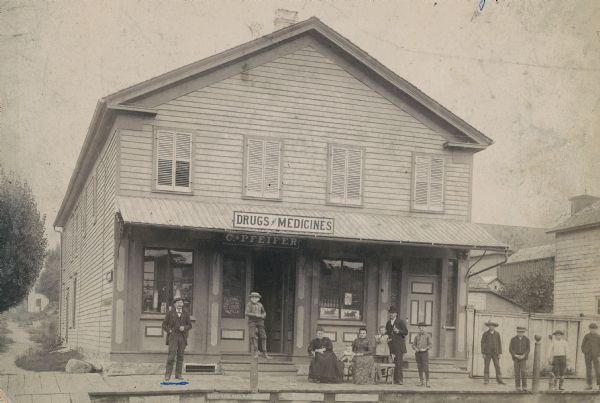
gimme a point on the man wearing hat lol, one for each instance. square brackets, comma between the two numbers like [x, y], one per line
[491, 348]
[256, 314]
[591, 350]
[558, 357]
[519, 350]
[396, 330]
[176, 325]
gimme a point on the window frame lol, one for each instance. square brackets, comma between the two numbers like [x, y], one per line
[172, 188]
[328, 192]
[340, 290]
[170, 285]
[245, 168]
[413, 203]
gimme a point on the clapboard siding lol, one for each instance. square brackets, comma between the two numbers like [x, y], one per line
[577, 274]
[308, 102]
[93, 309]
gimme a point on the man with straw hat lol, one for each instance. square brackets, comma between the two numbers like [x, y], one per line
[491, 348]
[519, 350]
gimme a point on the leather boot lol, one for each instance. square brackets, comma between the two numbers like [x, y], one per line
[255, 347]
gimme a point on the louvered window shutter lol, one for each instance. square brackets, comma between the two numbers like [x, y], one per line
[436, 184]
[345, 182]
[263, 168]
[183, 161]
[337, 181]
[354, 177]
[174, 161]
[428, 193]
[272, 168]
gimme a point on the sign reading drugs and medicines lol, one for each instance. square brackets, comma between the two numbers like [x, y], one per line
[283, 223]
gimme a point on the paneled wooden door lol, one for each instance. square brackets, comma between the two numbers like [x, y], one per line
[423, 306]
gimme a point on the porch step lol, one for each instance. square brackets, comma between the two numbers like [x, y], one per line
[439, 364]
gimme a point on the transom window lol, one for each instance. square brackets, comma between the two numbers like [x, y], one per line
[168, 274]
[341, 289]
[173, 161]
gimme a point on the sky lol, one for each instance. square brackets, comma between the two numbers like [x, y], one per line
[525, 73]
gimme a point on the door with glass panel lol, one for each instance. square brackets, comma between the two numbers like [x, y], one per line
[423, 306]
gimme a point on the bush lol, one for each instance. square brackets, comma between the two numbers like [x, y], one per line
[37, 359]
[46, 333]
[4, 340]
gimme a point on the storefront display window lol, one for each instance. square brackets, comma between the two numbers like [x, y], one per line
[234, 287]
[341, 289]
[168, 274]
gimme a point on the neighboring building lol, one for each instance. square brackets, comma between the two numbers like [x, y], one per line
[36, 302]
[577, 272]
[294, 165]
[515, 237]
[482, 297]
[528, 260]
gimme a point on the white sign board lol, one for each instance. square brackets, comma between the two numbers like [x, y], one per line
[283, 223]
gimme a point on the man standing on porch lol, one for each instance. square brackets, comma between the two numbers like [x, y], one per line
[491, 348]
[176, 324]
[396, 330]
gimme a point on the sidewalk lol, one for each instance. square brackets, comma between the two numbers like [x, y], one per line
[60, 387]
[21, 343]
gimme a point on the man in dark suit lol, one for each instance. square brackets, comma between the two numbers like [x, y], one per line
[396, 330]
[519, 350]
[176, 324]
[491, 348]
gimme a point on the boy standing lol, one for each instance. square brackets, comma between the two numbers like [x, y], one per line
[591, 350]
[422, 344]
[256, 324]
[491, 348]
[519, 350]
[558, 358]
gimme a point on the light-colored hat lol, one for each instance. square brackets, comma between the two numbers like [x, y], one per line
[255, 294]
[558, 332]
[521, 329]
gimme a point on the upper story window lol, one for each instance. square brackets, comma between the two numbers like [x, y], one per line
[262, 158]
[428, 186]
[173, 161]
[345, 175]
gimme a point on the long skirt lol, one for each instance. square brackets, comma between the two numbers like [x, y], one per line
[326, 368]
[363, 369]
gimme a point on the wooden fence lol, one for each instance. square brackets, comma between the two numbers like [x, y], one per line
[544, 325]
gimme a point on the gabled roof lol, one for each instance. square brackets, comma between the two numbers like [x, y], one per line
[130, 100]
[585, 218]
[533, 253]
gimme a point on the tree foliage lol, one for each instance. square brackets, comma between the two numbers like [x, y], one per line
[49, 283]
[533, 290]
[22, 240]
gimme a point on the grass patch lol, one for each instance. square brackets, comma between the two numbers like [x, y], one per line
[36, 359]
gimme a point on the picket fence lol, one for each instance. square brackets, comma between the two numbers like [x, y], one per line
[574, 328]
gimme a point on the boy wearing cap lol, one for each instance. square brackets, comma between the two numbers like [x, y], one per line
[590, 346]
[519, 350]
[558, 357]
[491, 348]
[422, 344]
[176, 325]
[256, 324]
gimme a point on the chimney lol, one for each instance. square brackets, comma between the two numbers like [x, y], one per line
[580, 202]
[285, 18]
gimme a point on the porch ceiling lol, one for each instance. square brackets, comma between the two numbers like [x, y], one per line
[348, 225]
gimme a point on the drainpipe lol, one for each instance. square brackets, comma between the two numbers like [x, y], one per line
[60, 272]
[469, 274]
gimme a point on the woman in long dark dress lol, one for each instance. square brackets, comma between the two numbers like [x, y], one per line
[363, 363]
[324, 367]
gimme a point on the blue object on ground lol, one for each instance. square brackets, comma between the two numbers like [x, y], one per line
[175, 383]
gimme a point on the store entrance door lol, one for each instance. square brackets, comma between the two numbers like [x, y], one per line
[424, 307]
[273, 278]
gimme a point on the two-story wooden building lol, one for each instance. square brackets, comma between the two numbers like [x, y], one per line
[294, 165]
